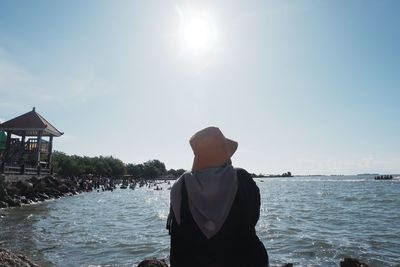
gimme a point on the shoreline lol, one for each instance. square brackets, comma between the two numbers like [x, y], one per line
[16, 191]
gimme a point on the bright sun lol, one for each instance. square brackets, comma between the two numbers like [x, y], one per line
[198, 32]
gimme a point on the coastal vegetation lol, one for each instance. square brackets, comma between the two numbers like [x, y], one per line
[73, 165]
[109, 166]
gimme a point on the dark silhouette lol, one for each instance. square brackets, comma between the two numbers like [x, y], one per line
[214, 209]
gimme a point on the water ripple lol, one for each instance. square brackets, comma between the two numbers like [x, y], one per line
[310, 221]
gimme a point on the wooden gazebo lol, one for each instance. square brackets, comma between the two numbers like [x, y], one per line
[26, 149]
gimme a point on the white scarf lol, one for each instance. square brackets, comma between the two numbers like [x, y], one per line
[211, 193]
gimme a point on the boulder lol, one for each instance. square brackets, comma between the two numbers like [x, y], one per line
[42, 196]
[13, 202]
[63, 189]
[24, 200]
[51, 181]
[3, 193]
[25, 187]
[350, 262]
[3, 205]
[39, 186]
[34, 180]
[12, 190]
[10, 259]
[152, 263]
[52, 192]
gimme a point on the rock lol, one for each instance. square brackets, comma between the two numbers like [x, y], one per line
[10, 259]
[42, 196]
[152, 263]
[12, 190]
[24, 200]
[39, 186]
[3, 193]
[52, 192]
[288, 265]
[350, 262]
[25, 187]
[51, 181]
[63, 189]
[3, 205]
[13, 202]
[34, 180]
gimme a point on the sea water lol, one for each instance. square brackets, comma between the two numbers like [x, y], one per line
[309, 221]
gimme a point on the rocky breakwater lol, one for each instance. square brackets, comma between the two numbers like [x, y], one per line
[34, 189]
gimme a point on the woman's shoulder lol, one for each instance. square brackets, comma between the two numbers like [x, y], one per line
[242, 173]
[248, 189]
[244, 177]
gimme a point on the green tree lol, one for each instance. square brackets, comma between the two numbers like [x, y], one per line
[154, 169]
[108, 166]
[136, 170]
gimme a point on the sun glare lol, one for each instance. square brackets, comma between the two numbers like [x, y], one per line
[198, 32]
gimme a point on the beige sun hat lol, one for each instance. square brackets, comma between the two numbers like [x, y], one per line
[211, 148]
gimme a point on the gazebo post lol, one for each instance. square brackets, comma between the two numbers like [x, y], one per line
[8, 145]
[23, 137]
[22, 147]
[38, 144]
[49, 157]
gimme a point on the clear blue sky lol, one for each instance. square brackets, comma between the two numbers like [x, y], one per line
[303, 86]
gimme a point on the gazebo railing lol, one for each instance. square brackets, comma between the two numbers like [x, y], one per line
[31, 145]
[22, 169]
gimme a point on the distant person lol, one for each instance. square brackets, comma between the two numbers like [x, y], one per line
[214, 209]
